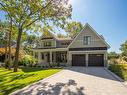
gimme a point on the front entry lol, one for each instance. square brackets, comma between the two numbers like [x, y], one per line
[78, 60]
[96, 60]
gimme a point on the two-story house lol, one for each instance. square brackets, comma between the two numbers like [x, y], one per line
[88, 48]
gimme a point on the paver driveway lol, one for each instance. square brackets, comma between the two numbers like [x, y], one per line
[77, 81]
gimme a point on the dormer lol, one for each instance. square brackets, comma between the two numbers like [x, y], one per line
[47, 40]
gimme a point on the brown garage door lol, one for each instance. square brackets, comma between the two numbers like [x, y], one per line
[96, 60]
[78, 60]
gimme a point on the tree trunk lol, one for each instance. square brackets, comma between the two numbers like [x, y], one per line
[6, 44]
[17, 49]
[9, 44]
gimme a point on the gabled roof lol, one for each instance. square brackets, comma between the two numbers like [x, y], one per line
[101, 38]
[48, 34]
[64, 39]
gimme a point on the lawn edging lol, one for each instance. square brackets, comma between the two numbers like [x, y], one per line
[15, 92]
[124, 83]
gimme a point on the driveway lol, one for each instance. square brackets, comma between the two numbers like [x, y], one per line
[77, 81]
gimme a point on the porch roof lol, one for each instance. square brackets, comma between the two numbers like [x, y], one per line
[50, 49]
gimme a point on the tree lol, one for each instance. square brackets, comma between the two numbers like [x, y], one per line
[30, 39]
[29, 43]
[59, 35]
[4, 34]
[123, 49]
[26, 14]
[113, 55]
[73, 28]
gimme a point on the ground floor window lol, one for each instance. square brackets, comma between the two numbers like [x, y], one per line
[42, 55]
[61, 56]
[36, 54]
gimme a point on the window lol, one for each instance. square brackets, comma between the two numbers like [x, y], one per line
[36, 54]
[46, 44]
[42, 55]
[61, 56]
[87, 40]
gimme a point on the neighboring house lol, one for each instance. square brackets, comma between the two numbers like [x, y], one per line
[88, 48]
[3, 52]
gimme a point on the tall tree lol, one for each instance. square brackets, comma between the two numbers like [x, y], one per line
[9, 44]
[4, 31]
[73, 28]
[26, 14]
[59, 35]
[113, 55]
[29, 43]
[123, 48]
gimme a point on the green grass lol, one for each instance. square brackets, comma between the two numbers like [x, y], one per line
[120, 70]
[11, 81]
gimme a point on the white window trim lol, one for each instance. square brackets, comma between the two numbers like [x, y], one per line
[89, 42]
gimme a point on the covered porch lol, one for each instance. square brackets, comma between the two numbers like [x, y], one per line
[51, 56]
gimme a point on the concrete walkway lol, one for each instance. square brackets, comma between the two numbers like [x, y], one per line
[77, 81]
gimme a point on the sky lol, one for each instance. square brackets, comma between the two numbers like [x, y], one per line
[107, 17]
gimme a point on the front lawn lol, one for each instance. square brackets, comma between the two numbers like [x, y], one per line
[120, 70]
[11, 81]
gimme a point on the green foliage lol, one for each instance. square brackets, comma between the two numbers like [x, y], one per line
[31, 39]
[124, 49]
[119, 69]
[59, 35]
[113, 61]
[124, 58]
[28, 60]
[73, 28]
[11, 81]
[31, 14]
[3, 32]
[46, 33]
[28, 14]
[30, 43]
[113, 55]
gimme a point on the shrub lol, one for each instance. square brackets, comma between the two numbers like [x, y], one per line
[119, 69]
[28, 60]
[113, 61]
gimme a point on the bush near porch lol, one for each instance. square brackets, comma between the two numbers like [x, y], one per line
[11, 81]
[28, 60]
[120, 70]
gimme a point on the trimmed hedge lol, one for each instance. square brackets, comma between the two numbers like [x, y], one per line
[119, 69]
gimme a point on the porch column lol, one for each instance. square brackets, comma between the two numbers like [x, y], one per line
[39, 57]
[86, 59]
[105, 60]
[50, 57]
[69, 59]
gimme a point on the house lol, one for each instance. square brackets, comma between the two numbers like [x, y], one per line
[88, 48]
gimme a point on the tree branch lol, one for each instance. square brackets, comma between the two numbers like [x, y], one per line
[7, 13]
[31, 23]
[31, 13]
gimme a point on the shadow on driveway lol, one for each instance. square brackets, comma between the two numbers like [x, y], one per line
[45, 88]
[76, 81]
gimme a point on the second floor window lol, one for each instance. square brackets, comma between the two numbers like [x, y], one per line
[46, 44]
[87, 40]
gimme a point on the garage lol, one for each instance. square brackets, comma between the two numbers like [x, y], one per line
[78, 60]
[96, 60]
